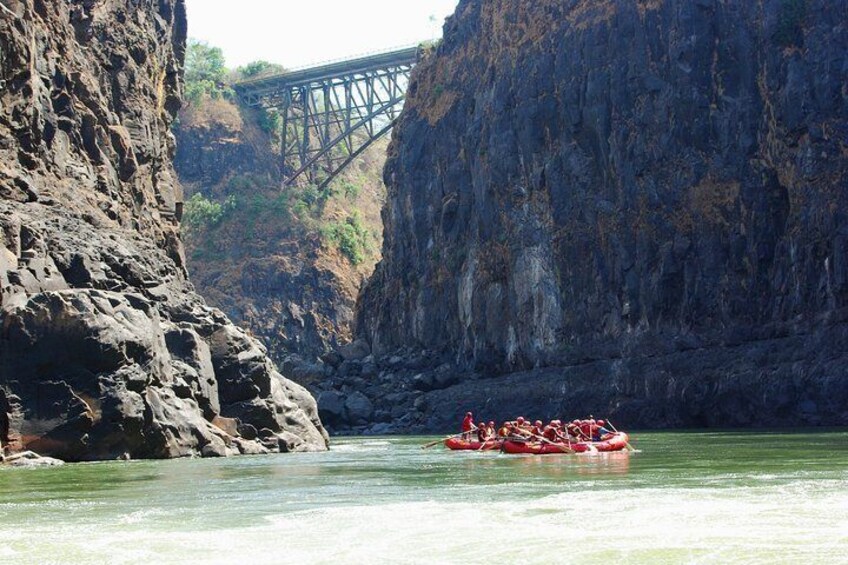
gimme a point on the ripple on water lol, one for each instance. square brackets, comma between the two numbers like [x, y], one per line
[389, 501]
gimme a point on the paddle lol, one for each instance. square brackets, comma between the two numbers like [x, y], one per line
[432, 443]
[546, 440]
[626, 443]
[484, 443]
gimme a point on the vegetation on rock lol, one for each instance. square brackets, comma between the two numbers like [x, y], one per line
[205, 73]
[286, 262]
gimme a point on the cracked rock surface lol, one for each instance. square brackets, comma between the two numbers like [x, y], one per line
[598, 186]
[106, 350]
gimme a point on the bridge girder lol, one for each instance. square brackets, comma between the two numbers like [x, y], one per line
[332, 113]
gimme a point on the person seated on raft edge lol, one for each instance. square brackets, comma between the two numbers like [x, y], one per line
[550, 432]
[562, 434]
[576, 429]
[596, 429]
[537, 429]
[511, 429]
[467, 426]
[600, 431]
[503, 431]
[520, 428]
[525, 428]
[482, 432]
[491, 431]
[581, 430]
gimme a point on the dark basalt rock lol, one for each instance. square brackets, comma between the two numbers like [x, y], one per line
[106, 351]
[655, 190]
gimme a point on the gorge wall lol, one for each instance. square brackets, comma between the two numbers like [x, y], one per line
[105, 348]
[269, 261]
[639, 208]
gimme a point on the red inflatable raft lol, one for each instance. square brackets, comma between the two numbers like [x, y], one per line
[461, 444]
[610, 442]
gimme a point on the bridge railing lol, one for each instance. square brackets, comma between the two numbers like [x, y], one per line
[408, 54]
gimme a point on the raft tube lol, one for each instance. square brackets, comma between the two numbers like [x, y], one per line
[610, 442]
[464, 445]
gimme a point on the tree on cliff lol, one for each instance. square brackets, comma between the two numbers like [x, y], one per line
[205, 72]
[258, 69]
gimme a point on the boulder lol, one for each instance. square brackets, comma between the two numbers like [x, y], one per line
[359, 408]
[355, 351]
[423, 382]
[331, 406]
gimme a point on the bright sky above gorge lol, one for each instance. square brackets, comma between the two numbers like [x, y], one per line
[295, 33]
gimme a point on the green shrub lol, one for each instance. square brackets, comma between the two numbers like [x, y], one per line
[205, 73]
[257, 69]
[350, 237]
[271, 121]
[310, 195]
[201, 213]
[300, 209]
[351, 191]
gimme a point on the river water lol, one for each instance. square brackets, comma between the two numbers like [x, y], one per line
[681, 498]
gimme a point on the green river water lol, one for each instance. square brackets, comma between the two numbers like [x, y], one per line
[681, 498]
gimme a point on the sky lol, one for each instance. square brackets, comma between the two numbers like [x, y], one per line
[295, 33]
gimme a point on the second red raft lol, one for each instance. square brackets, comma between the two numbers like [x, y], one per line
[611, 442]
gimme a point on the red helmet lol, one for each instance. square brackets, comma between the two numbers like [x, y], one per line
[491, 424]
[601, 423]
[520, 419]
[592, 421]
[538, 423]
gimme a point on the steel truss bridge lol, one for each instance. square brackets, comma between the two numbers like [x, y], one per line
[333, 112]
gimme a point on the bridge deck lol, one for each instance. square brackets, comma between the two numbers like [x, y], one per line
[334, 111]
[302, 77]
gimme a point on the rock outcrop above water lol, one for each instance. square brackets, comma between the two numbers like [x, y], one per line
[105, 348]
[649, 196]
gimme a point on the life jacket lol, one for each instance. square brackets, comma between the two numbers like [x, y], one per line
[550, 433]
[586, 430]
[467, 424]
[503, 432]
[482, 433]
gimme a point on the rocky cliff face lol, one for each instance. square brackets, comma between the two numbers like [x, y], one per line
[105, 349]
[590, 184]
[268, 262]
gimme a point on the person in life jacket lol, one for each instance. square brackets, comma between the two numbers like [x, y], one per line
[601, 431]
[562, 434]
[593, 428]
[482, 432]
[537, 429]
[585, 430]
[503, 431]
[467, 425]
[521, 428]
[550, 432]
[491, 431]
[572, 429]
